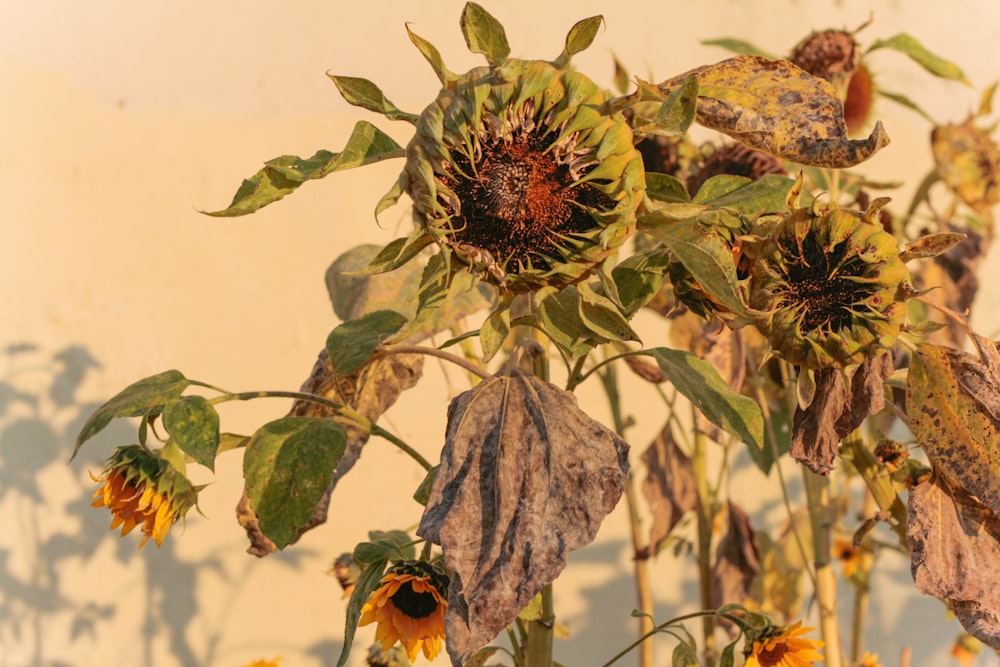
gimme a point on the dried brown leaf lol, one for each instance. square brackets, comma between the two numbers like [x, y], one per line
[669, 486]
[951, 399]
[954, 550]
[525, 477]
[775, 107]
[836, 410]
[371, 390]
[737, 561]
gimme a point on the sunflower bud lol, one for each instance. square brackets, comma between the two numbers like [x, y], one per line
[142, 489]
[522, 172]
[830, 285]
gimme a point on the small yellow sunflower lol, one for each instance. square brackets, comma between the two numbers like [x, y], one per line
[848, 555]
[265, 663]
[409, 607]
[782, 647]
[966, 649]
[142, 489]
[870, 660]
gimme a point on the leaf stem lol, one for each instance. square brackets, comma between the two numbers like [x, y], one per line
[467, 364]
[677, 619]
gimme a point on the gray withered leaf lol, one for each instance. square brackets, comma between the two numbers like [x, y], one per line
[838, 407]
[669, 486]
[525, 477]
[954, 547]
[371, 390]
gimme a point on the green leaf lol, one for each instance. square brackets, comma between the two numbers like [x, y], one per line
[708, 258]
[602, 317]
[423, 492]
[738, 46]
[666, 188]
[494, 330]
[701, 384]
[383, 545]
[558, 315]
[442, 299]
[768, 194]
[728, 657]
[433, 56]
[777, 437]
[639, 278]
[365, 94]
[484, 34]
[287, 468]
[580, 37]
[282, 175]
[398, 252]
[352, 343]
[684, 656]
[676, 113]
[354, 293]
[193, 425]
[148, 395]
[229, 441]
[936, 65]
[367, 583]
[905, 101]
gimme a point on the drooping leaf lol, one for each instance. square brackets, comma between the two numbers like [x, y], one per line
[905, 101]
[433, 57]
[443, 299]
[775, 107]
[952, 422]
[287, 467]
[193, 425]
[768, 194]
[351, 343]
[365, 94]
[508, 503]
[954, 548]
[371, 391]
[639, 278]
[148, 395]
[384, 544]
[494, 330]
[580, 37]
[907, 44]
[685, 654]
[676, 113]
[398, 252]
[837, 408]
[282, 175]
[368, 581]
[669, 487]
[701, 384]
[558, 314]
[484, 34]
[931, 245]
[666, 188]
[602, 317]
[739, 46]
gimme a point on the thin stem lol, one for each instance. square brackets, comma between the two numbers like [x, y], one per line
[515, 644]
[677, 619]
[820, 515]
[640, 561]
[465, 363]
[699, 462]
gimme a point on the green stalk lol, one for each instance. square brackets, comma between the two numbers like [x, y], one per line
[640, 562]
[540, 632]
[699, 461]
[820, 518]
[855, 450]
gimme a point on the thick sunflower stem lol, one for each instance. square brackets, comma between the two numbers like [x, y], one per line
[699, 461]
[540, 632]
[821, 519]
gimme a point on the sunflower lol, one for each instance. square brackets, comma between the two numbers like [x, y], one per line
[409, 606]
[265, 663]
[781, 647]
[142, 489]
[848, 555]
[870, 660]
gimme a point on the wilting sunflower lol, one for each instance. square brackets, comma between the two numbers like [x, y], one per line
[781, 647]
[522, 172]
[409, 607]
[142, 489]
[830, 283]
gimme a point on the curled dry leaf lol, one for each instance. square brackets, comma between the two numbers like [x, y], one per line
[669, 487]
[775, 107]
[836, 410]
[954, 547]
[371, 390]
[525, 477]
[953, 402]
[737, 561]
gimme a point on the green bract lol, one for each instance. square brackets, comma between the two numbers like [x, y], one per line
[829, 285]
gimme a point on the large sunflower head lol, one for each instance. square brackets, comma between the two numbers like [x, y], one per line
[830, 286]
[775, 646]
[522, 171]
[142, 489]
[409, 607]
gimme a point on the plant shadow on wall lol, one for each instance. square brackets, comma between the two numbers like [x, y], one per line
[52, 535]
[805, 326]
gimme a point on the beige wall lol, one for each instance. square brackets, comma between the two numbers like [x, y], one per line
[118, 121]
